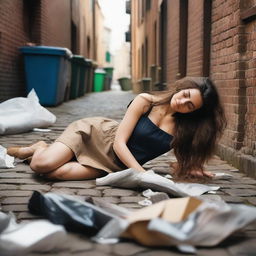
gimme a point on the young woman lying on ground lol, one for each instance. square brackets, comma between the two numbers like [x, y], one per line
[188, 118]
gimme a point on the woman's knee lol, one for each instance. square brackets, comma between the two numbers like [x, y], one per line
[42, 163]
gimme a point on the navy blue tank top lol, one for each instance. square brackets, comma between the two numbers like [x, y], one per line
[147, 140]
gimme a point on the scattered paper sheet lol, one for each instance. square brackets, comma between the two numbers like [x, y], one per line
[131, 178]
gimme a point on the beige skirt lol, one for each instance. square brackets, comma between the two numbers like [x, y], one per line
[91, 139]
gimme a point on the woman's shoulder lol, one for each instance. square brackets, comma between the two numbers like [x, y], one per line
[149, 98]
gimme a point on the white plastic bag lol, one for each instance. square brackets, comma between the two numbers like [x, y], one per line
[19, 239]
[21, 114]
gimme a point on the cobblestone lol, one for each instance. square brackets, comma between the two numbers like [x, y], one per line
[17, 185]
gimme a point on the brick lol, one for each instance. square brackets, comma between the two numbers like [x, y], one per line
[14, 208]
[126, 249]
[131, 199]
[8, 187]
[110, 199]
[212, 252]
[15, 193]
[240, 192]
[18, 181]
[251, 200]
[232, 199]
[43, 188]
[27, 216]
[243, 248]
[14, 175]
[119, 192]
[75, 184]
[89, 192]
[130, 205]
[15, 200]
[63, 191]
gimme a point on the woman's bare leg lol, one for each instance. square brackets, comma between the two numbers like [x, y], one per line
[54, 163]
[47, 159]
[74, 171]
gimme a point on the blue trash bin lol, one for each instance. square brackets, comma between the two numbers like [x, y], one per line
[47, 70]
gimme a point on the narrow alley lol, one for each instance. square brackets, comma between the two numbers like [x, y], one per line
[18, 184]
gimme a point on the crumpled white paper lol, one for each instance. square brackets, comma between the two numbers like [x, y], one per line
[19, 239]
[130, 178]
[21, 114]
[208, 225]
[6, 161]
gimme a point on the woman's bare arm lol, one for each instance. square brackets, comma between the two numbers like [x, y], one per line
[138, 106]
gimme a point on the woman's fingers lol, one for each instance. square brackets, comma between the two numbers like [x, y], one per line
[201, 174]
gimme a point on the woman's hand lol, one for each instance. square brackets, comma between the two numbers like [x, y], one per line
[194, 173]
[198, 173]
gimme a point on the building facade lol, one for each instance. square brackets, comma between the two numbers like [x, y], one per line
[216, 38]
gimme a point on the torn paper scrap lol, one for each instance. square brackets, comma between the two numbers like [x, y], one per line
[130, 178]
[6, 161]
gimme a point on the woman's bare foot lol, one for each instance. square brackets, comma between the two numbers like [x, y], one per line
[25, 152]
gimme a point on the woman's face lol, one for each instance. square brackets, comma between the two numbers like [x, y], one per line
[186, 101]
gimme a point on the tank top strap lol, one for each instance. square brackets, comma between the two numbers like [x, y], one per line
[149, 110]
[146, 113]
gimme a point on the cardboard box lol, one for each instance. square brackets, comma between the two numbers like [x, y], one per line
[172, 210]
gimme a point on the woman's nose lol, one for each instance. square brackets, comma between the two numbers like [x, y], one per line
[183, 101]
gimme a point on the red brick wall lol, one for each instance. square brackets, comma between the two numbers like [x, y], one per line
[195, 38]
[56, 23]
[12, 35]
[173, 38]
[249, 143]
[227, 67]
[233, 68]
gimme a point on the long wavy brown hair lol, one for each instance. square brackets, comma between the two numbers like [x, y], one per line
[197, 132]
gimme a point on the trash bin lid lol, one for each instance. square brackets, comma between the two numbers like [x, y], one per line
[100, 71]
[109, 68]
[47, 50]
[78, 59]
[88, 62]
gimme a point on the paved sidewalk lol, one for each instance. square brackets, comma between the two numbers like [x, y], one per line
[17, 185]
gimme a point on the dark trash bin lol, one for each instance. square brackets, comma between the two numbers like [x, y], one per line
[125, 83]
[145, 84]
[108, 78]
[93, 67]
[82, 80]
[88, 74]
[75, 76]
[47, 70]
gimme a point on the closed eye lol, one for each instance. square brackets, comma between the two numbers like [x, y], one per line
[190, 105]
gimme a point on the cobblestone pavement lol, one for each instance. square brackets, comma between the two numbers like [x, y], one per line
[17, 185]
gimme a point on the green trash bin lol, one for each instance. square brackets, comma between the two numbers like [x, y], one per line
[125, 83]
[76, 63]
[94, 65]
[108, 78]
[99, 79]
